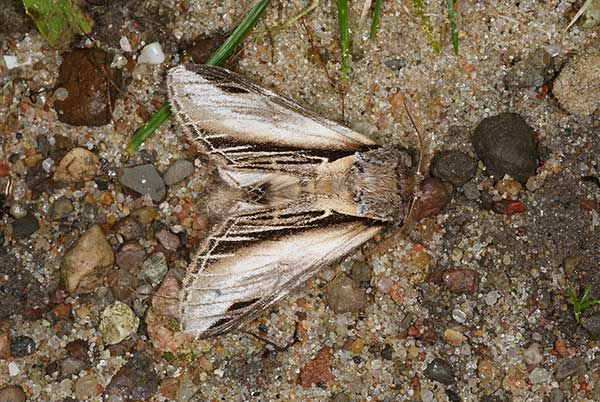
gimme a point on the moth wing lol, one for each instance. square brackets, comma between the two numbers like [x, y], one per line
[249, 126]
[255, 260]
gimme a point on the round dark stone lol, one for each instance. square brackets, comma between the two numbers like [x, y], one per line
[505, 145]
[454, 167]
[440, 370]
[22, 346]
[386, 352]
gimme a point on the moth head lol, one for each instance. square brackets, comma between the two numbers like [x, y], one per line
[382, 183]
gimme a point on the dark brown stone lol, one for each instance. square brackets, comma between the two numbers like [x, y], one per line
[92, 87]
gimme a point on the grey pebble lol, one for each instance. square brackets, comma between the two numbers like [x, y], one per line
[25, 226]
[454, 167]
[361, 272]
[70, 366]
[505, 145]
[144, 179]
[395, 64]
[440, 370]
[60, 209]
[178, 171]
[536, 70]
[471, 191]
[155, 268]
[570, 367]
[556, 395]
[22, 346]
[592, 324]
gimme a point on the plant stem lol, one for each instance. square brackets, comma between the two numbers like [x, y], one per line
[453, 31]
[375, 21]
[344, 36]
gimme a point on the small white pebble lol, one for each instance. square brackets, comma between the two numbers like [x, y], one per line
[12, 61]
[124, 43]
[47, 164]
[492, 297]
[219, 372]
[459, 316]
[152, 54]
[61, 94]
[13, 369]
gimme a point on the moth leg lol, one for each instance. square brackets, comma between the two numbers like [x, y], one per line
[276, 347]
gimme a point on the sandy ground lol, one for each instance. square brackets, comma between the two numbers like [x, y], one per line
[505, 340]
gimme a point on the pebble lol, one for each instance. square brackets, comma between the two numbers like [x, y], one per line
[77, 165]
[136, 380]
[505, 145]
[178, 171]
[60, 209]
[361, 272]
[25, 226]
[85, 74]
[592, 324]
[18, 211]
[556, 395]
[155, 268]
[130, 256]
[491, 298]
[122, 284]
[532, 355]
[510, 187]
[536, 70]
[343, 295]
[395, 64]
[461, 280]
[83, 266]
[70, 366]
[433, 198]
[454, 337]
[570, 367]
[489, 375]
[364, 127]
[471, 191]
[22, 346]
[152, 53]
[87, 387]
[538, 375]
[78, 349]
[459, 316]
[118, 322]
[13, 369]
[4, 346]
[168, 240]
[144, 179]
[129, 228]
[440, 370]
[577, 87]
[144, 215]
[12, 393]
[454, 167]
[317, 370]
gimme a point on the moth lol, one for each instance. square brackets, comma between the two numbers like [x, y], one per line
[309, 192]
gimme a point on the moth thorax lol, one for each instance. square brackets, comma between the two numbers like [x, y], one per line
[382, 183]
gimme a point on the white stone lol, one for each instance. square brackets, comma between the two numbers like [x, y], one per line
[152, 54]
[13, 62]
[13, 369]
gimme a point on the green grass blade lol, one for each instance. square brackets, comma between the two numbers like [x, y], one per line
[453, 31]
[217, 58]
[426, 25]
[375, 21]
[344, 36]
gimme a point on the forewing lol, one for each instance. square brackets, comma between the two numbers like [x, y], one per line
[252, 127]
[256, 259]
